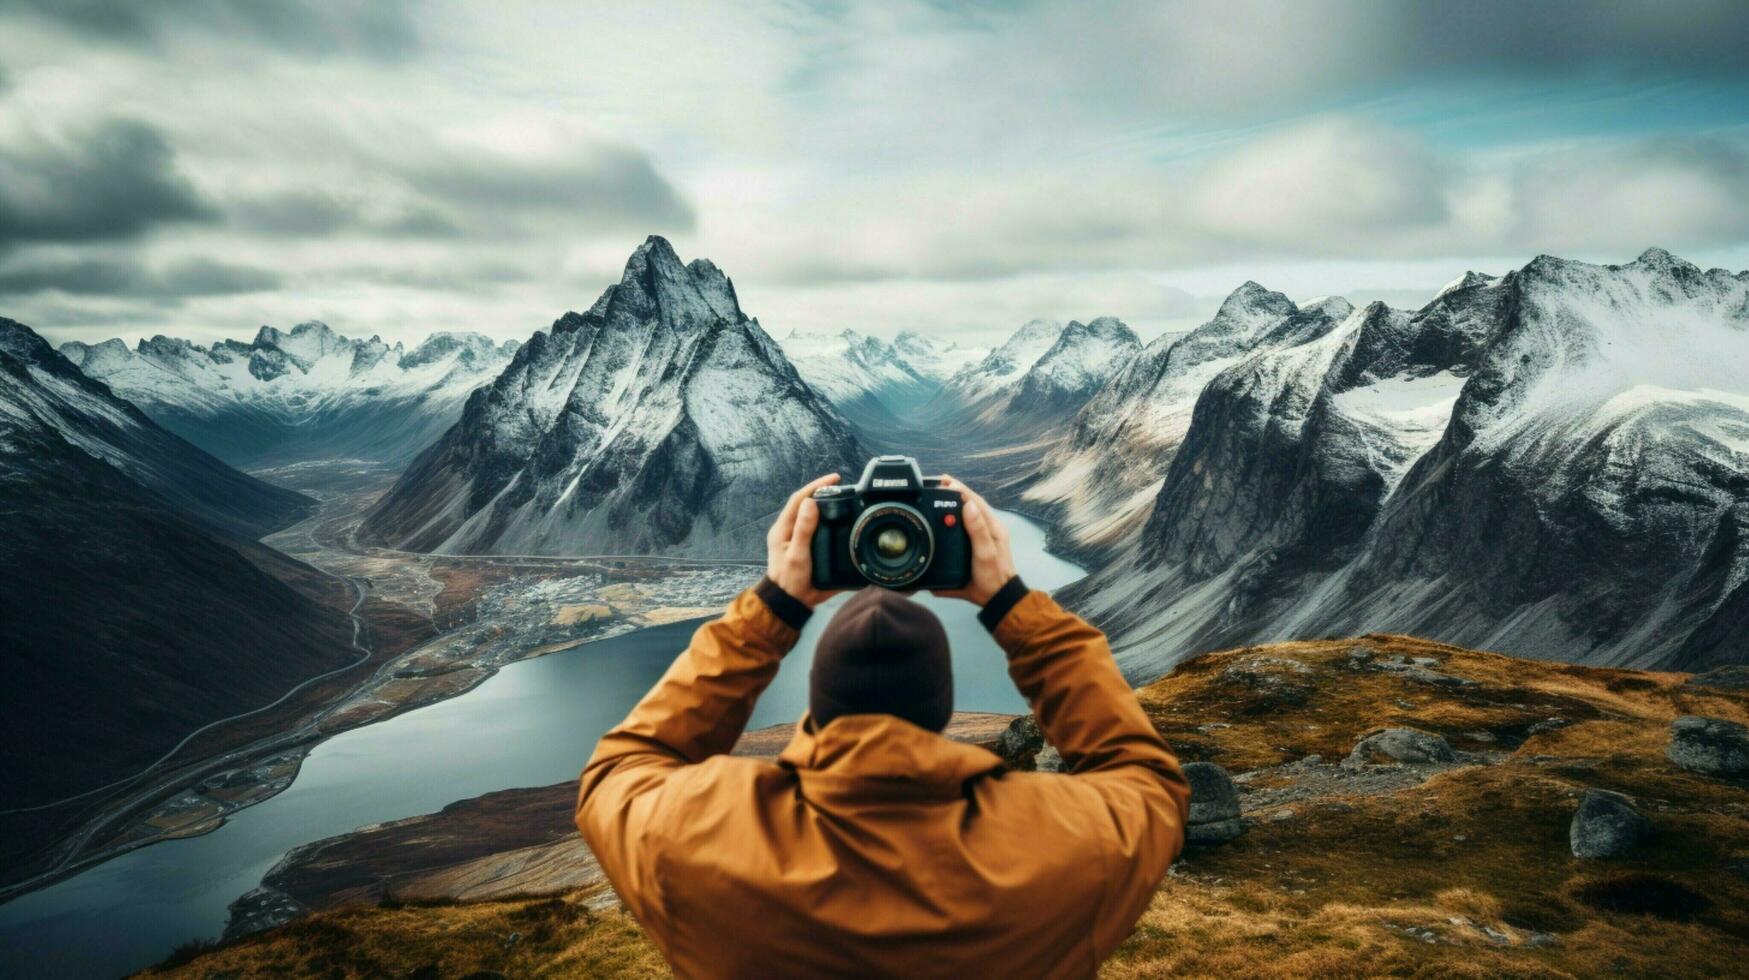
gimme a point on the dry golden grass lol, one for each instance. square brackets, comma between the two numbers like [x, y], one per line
[1464, 875]
[553, 938]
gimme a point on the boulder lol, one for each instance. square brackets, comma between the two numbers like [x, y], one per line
[1048, 759]
[1710, 746]
[1606, 825]
[1218, 832]
[1020, 741]
[1214, 805]
[1213, 796]
[1400, 745]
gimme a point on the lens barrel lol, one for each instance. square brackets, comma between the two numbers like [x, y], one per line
[891, 544]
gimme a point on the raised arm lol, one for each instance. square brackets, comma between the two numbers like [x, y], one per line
[701, 705]
[1063, 667]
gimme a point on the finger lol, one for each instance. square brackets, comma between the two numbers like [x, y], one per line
[978, 528]
[998, 533]
[786, 520]
[801, 539]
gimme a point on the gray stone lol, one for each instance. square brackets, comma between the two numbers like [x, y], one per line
[1404, 745]
[1020, 739]
[1606, 825]
[1547, 725]
[1218, 832]
[1048, 759]
[1213, 797]
[1711, 746]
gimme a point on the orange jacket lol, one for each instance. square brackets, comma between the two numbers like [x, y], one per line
[873, 847]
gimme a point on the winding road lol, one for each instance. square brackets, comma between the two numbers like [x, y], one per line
[77, 842]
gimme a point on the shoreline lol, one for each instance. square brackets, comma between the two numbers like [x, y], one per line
[199, 796]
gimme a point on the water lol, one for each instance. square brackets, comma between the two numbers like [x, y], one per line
[533, 724]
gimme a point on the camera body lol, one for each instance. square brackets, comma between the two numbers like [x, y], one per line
[895, 528]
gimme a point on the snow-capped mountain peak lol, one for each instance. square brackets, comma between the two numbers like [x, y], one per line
[662, 420]
[1549, 463]
[1083, 357]
[307, 392]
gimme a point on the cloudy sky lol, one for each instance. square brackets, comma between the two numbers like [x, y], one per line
[200, 167]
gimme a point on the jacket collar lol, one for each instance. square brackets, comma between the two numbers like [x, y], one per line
[881, 757]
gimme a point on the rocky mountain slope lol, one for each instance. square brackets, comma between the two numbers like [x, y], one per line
[47, 393]
[131, 615]
[308, 393]
[1034, 382]
[662, 421]
[871, 381]
[1100, 482]
[1553, 463]
[1401, 808]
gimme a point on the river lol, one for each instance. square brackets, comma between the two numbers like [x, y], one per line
[533, 724]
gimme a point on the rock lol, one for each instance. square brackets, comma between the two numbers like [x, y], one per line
[1606, 825]
[1218, 832]
[1711, 746]
[1021, 740]
[1214, 805]
[1400, 745]
[1048, 759]
[1547, 725]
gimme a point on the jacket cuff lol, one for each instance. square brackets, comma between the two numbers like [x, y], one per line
[1010, 593]
[787, 608]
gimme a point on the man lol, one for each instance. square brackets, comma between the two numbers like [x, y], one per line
[875, 846]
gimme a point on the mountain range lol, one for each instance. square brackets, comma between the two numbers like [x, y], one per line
[297, 395]
[1100, 481]
[1553, 463]
[872, 381]
[1037, 379]
[662, 420]
[133, 603]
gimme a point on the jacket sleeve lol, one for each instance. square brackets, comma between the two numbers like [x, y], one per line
[698, 709]
[1063, 666]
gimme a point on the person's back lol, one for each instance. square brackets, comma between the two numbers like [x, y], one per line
[875, 845]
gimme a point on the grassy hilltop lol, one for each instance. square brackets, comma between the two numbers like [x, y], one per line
[1454, 868]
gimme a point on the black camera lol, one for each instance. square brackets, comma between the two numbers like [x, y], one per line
[895, 528]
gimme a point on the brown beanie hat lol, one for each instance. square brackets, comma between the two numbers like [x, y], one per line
[882, 654]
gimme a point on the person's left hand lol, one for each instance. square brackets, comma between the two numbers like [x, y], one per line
[789, 559]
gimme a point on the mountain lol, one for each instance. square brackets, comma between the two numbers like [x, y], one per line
[973, 388]
[131, 616]
[307, 393]
[1035, 381]
[865, 377]
[873, 382]
[1101, 481]
[87, 415]
[935, 360]
[1554, 463]
[663, 420]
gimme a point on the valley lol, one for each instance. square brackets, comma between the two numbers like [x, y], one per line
[542, 655]
[478, 555]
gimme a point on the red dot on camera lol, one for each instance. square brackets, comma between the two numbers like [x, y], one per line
[950, 520]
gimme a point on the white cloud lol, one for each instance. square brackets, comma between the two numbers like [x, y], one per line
[879, 165]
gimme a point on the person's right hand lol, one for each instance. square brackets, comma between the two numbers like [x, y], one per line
[992, 559]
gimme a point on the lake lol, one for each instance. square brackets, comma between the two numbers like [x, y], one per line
[533, 724]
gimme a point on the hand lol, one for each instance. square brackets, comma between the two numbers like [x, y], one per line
[789, 560]
[992, 559]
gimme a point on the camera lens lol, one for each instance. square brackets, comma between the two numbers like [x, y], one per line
[891, 544]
